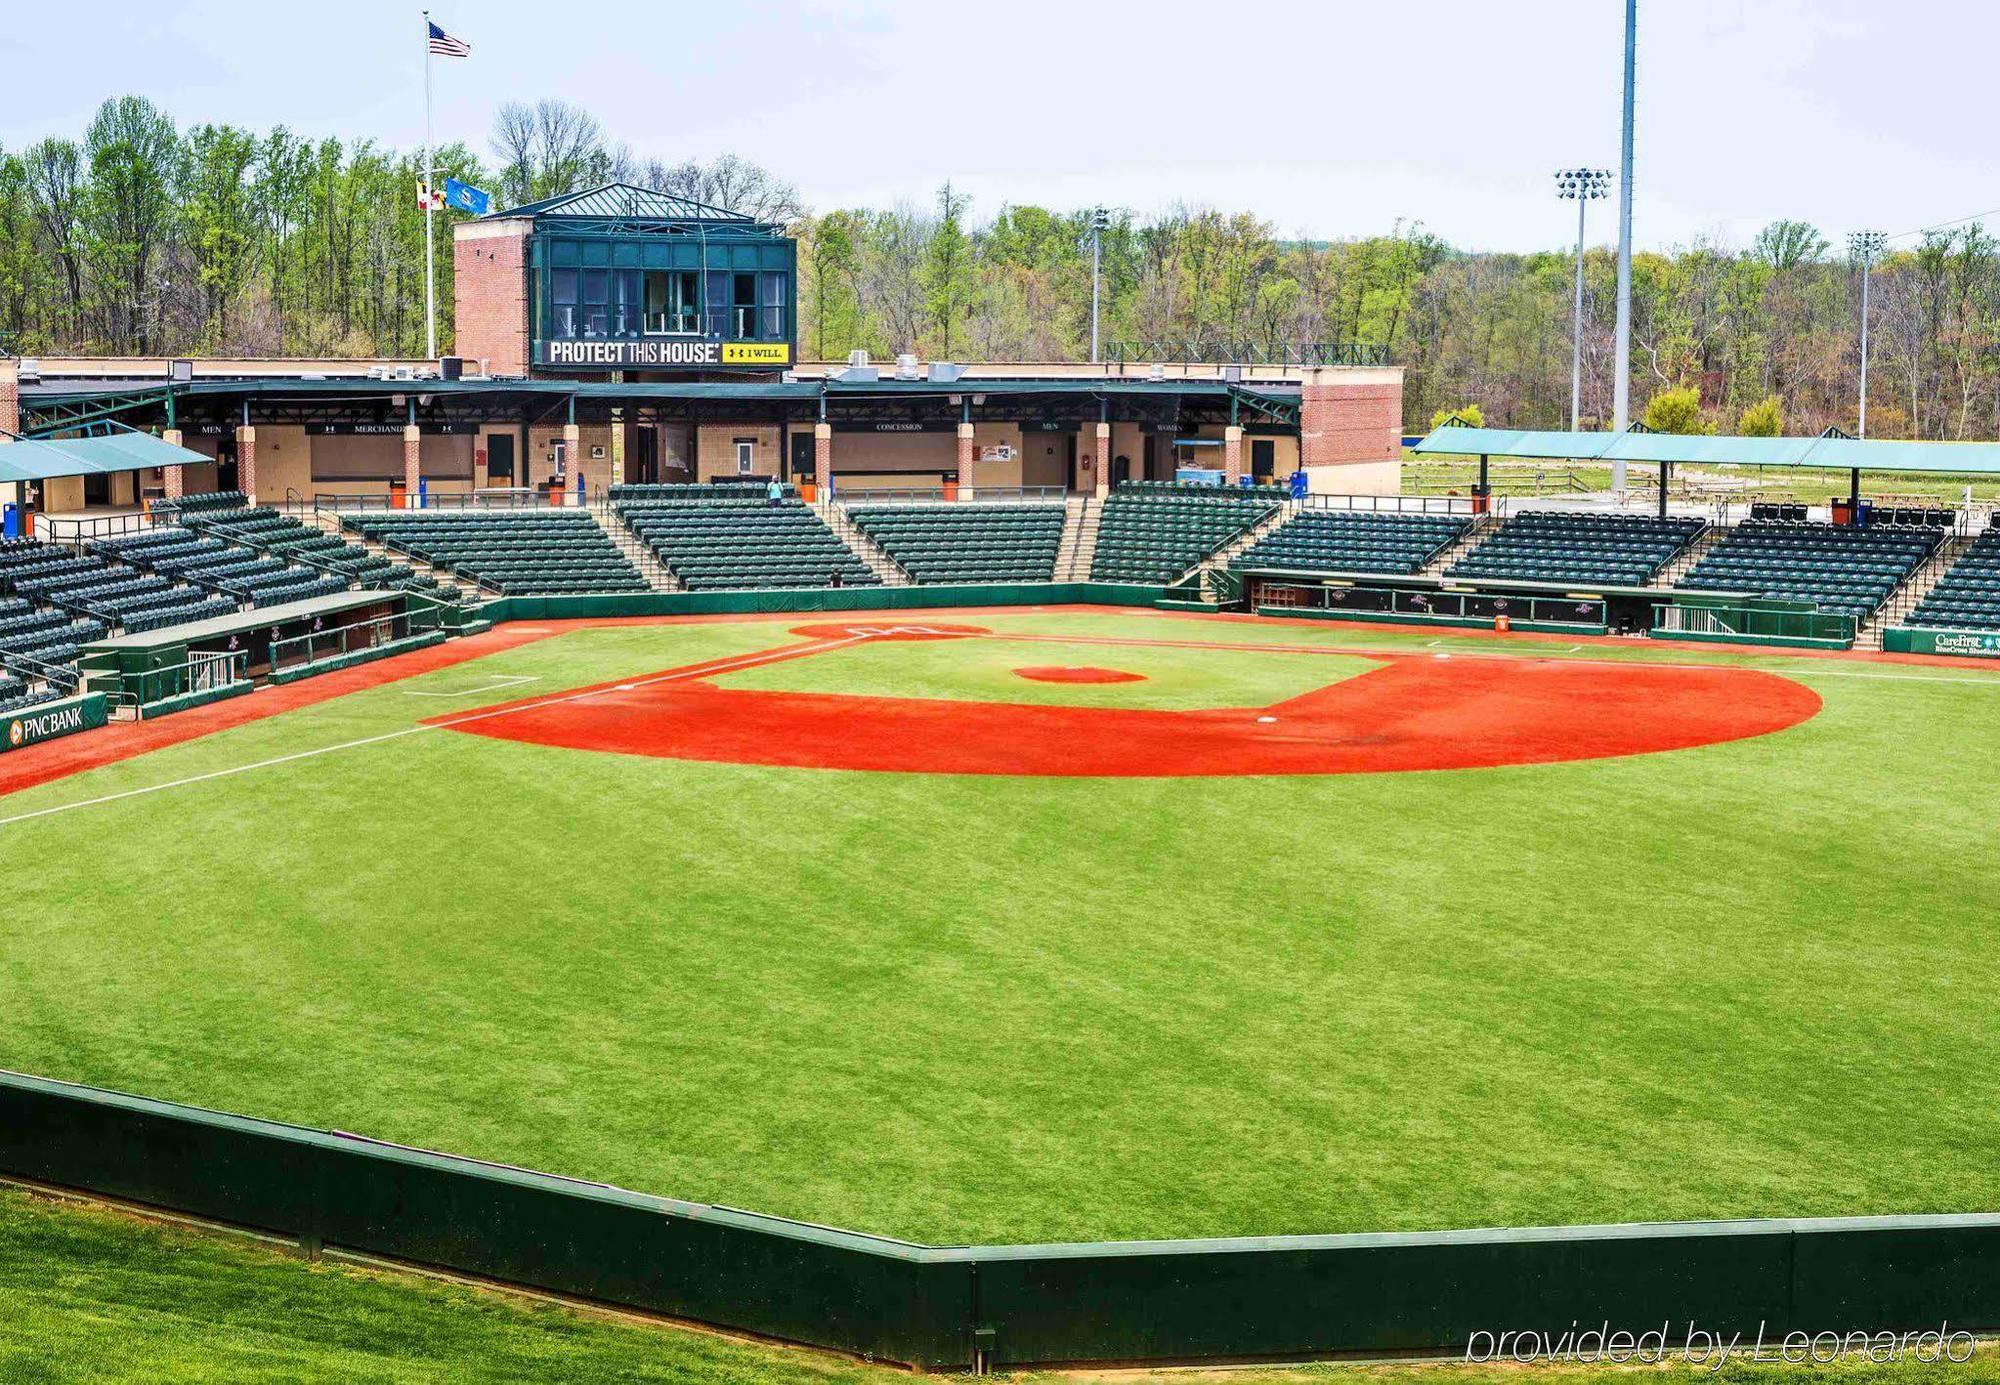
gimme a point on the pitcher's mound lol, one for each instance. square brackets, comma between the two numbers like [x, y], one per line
[1052, 673]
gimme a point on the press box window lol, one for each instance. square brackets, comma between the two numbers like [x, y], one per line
[745, 449]
[743, 306]
[562, 284]
[673, 301]
[773, 308]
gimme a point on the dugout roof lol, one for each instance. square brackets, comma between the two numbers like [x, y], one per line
[1981, 458]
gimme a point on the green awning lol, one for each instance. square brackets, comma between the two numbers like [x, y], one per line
[43, 459]
[1651, 449]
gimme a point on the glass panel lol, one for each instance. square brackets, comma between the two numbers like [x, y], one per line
[743, 306]
[625, 302]
[562, 285]
[595, 303]
[773, 307]
[562, 252]
[718, 301]
[596, 252]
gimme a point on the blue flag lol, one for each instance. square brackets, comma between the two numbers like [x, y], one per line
[465, 197]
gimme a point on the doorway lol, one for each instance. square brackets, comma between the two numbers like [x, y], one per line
[649, 455]
[804, 459]
[1263, 460]
[499, 459]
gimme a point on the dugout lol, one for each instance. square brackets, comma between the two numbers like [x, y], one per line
[182, 666]
[1420, 600]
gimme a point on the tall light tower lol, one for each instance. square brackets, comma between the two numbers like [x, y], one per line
[1867, 247]
[1583, 186]
[1100, 222]
[1621, 392]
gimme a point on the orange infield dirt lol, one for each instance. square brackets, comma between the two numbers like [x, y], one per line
[1411, 712]
[1054, 673]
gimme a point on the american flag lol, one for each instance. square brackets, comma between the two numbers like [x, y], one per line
[445, 46]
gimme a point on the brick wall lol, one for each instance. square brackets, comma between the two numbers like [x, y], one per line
[1350, 416]
[490, 284]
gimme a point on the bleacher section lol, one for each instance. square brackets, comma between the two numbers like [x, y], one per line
[1968, 596]
[1154, 531]
[235, 573]
[320, 555]
[722, 537]
[1355, 541]
[1578, 548]
[967, 542]
[88, 594]
[516, 552]
[1838, 568]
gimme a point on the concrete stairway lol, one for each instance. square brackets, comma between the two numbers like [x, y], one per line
[1081, 516]
[1243, 541]
[634, 548]
[870, 552]
[1482, 529]
[1904, 599]
[1682, 563]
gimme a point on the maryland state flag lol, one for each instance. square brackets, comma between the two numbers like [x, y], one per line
[429, 199]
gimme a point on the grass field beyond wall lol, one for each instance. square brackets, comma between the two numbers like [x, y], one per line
[1753, 978]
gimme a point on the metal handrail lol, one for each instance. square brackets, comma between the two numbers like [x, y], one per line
[1393, 504]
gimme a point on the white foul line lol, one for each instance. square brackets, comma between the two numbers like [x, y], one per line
[748, 661]
[512, 680]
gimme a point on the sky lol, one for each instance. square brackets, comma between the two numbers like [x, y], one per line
[1329, 119]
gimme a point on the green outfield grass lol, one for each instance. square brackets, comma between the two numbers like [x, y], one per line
[93, 1295]
[1747, 979]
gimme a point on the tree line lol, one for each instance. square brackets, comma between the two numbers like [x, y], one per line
[143, 238]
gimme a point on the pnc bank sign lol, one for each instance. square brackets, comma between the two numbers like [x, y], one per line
[666, 353]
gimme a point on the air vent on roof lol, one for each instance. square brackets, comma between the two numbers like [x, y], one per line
[906, 366]
[1232, 373]
[858, 359]
[946, 372]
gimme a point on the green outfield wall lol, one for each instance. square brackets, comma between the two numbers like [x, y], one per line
[817, 599]
[1275, 1297]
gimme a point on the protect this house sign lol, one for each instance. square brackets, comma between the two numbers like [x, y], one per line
[679, 351]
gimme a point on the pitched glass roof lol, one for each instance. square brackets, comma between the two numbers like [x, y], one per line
[623, 201]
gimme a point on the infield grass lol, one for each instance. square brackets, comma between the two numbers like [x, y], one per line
[1746, 979]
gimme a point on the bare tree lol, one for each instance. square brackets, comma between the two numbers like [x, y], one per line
[732, 183]
[551, 148]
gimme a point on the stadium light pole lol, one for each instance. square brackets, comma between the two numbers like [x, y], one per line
[1100, 222]
[1866, 246]
[1621, 386]
[1583, 186]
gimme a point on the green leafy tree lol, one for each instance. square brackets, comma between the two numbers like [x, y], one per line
[1677, 411]
[1764, 419]
[1471, 415]
[947, 269]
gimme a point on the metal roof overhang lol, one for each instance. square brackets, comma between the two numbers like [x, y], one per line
[44, 459]
[546, 400]
[1829, 453]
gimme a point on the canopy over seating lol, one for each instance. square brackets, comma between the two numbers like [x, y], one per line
[43, 459]
[1854, 454]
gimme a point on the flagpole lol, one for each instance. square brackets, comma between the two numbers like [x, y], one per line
[430, 177]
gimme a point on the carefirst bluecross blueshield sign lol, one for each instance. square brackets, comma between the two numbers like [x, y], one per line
[51, 721]
[662, 353]
[1969, 644]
